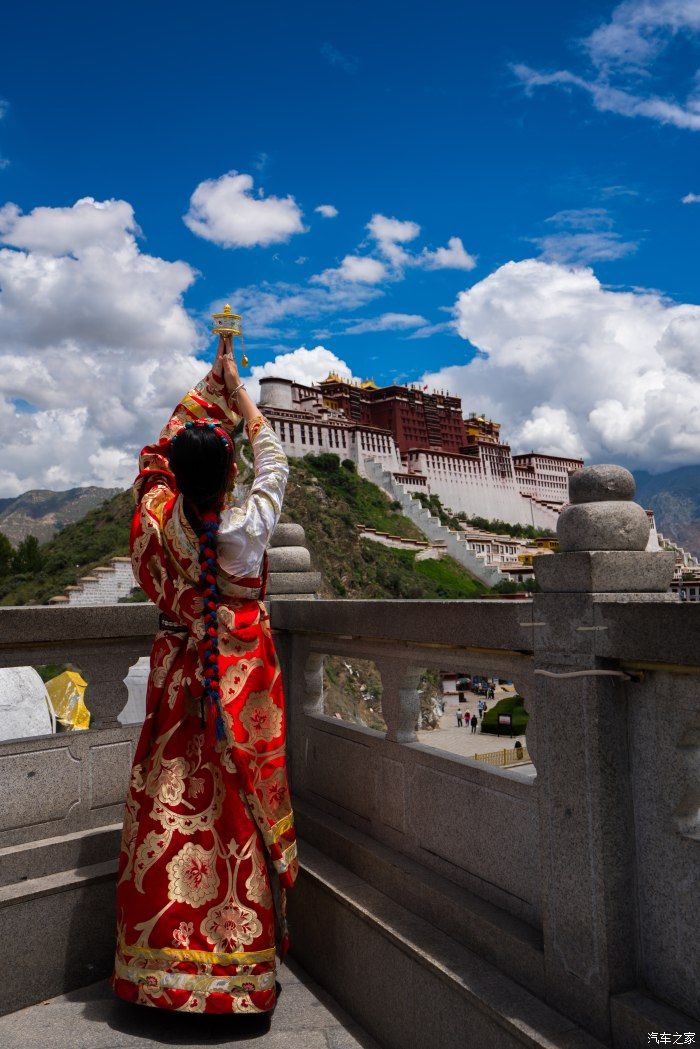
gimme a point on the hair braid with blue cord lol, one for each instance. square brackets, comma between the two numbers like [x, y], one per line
[208, 586]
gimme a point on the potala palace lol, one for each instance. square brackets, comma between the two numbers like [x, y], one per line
[423, 442]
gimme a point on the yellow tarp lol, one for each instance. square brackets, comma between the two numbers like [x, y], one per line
[66, 696]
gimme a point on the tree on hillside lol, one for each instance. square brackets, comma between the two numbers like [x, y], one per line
[6, 555]
[28, 556]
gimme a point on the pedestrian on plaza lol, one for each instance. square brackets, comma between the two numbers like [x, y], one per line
[459, 719]
[467, 716]
[474, 722]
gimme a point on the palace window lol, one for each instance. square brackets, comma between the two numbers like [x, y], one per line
[303, 433]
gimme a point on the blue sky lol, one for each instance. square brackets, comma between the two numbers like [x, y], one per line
[561, 133]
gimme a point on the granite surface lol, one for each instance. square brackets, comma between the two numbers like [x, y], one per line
[92, 1018]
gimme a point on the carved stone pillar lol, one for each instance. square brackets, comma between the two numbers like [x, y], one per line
[584, 785]
[400, 698]
[313, 683]
[104, 666]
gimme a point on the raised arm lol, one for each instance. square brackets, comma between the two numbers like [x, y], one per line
[245, 531]
[210, 398]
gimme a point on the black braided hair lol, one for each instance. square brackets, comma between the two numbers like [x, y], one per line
[208, 527]
[210, 595]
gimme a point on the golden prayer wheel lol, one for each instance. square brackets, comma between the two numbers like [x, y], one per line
[229, 323]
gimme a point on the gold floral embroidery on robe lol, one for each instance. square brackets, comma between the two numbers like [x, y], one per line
[192, 876]
[261, 718]
[231, 926]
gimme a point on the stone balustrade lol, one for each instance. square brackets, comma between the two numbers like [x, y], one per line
[579, 886]
[437, 894]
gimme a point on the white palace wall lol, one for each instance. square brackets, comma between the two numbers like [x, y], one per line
[469, 487]
[462, 483]
[299, 439]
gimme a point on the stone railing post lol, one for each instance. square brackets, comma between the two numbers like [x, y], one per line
[313, 683]
[580, 706]
[400, 698]
[105, 667]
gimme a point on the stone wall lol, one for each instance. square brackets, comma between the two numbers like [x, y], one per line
[106, 585]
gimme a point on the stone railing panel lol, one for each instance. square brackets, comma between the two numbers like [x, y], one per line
[664, 726]
[72, 781]
[475, 825]
[56, 785]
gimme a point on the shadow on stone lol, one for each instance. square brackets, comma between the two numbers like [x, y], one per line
[164, 1027]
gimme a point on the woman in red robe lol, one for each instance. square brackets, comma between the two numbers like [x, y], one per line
[208, 846]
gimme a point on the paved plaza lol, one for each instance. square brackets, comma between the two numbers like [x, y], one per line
[92, 1018]
[463, 741]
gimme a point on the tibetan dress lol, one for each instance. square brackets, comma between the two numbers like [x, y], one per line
[208, 845]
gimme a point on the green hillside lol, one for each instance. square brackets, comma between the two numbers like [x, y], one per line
[74, 552]
[328, 498]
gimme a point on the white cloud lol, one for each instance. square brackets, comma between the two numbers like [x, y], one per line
[389, 234]
[4, 106]
[271, 310]
[68, 231]
[360, 269]
[691, 198]
[624, 50]
[352, 284]
[609, 99]
[427, 332]
[639, 30]
[585, 235]
[334, 57]
[582, 218]
[387, 322]
[581, 248]
[571, 367]
[453, 257]
[224, 211]
[94, 336]
[301, 365]
[327, 210]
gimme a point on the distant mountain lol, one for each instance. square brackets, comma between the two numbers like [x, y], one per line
[44, 513]
[675, 499]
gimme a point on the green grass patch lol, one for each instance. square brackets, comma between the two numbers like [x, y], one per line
[514, 705]
[450, 578]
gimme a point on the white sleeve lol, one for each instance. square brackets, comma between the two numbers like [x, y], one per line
[245, 531]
